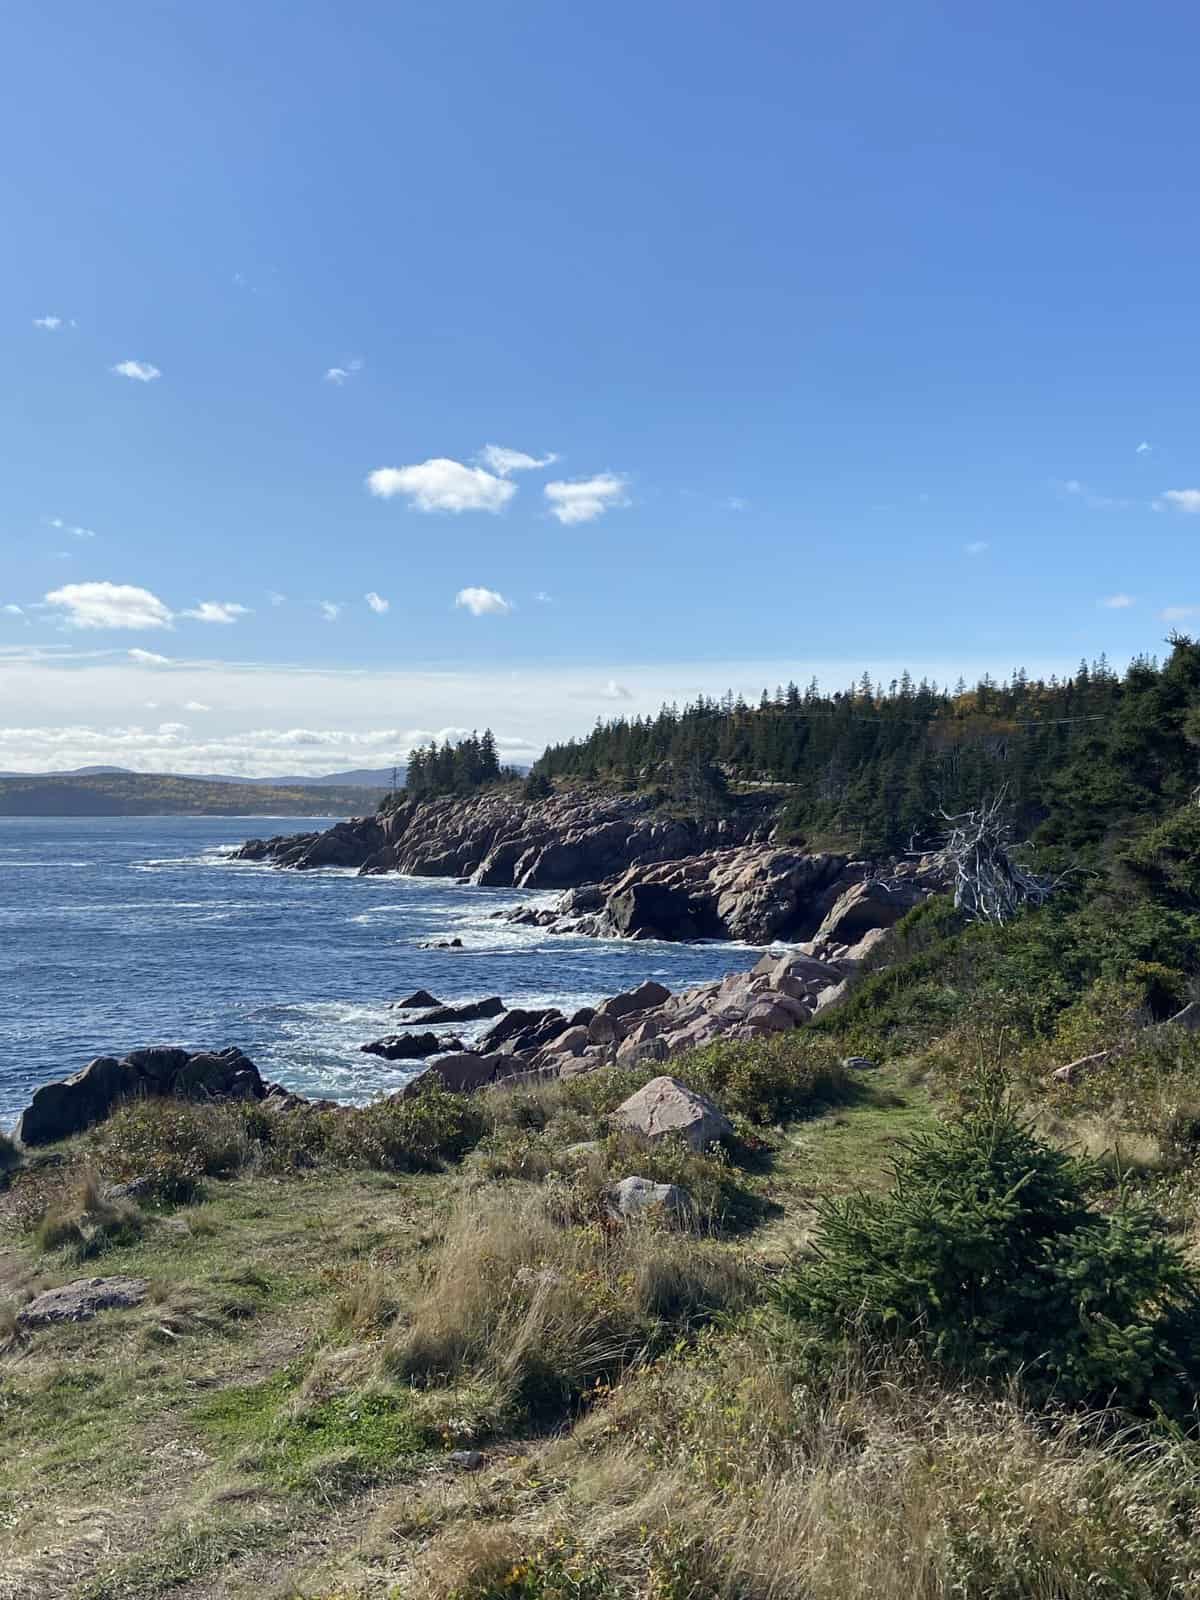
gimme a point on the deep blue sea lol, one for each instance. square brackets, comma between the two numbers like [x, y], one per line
[127, 931]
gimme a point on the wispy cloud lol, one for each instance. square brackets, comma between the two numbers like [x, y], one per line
[331, 610]
[1072, 488]
[544, 599]
[221, 611]
[976, 547]
[195, 705]
[483, 602]
[1182, 500]
[11, 610]
[441, 484]
[148, 658]
[338, 375]
[1144, 448]
[585, 499]
[275, 598]
[1118, 602]
[505, 462]
[141, 370]
[71, 528]
[50, 324]
[736, 503]
[109, 605]
[1178, 613]
[377, 603]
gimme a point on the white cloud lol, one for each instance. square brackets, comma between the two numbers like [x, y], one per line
[483, 602]
[1183, 500]
[172, 730]
[1095, 502]
[585, 499]
[141, 370]
[505, 461]
[1178, 613]
[443, 485]
[275, 598]
[544, 599]
[736, 503]
[223, 611]
[50, 324]
[195, 705]
[12, 611]
[338, 375]
[109, 605]
[377, 603]
[67, 527]
[331, 610]
[1118, 602]
[976, 547]
[613, 690]
[1144, 448]
[148, 658]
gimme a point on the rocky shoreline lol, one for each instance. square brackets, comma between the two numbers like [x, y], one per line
[628, 870]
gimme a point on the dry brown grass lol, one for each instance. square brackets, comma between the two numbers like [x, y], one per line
[728, 1477]
[545, 1309]
[81, 1219]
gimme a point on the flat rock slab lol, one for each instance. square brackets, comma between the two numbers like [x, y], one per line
[82, 1300]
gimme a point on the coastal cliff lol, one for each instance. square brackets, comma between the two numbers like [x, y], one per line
[629, 869]
[577, 836]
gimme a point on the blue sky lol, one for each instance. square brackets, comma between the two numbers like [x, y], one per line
[858, 339]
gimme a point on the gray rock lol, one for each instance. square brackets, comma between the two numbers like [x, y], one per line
[82, 1300]
[469, 1011]
[665, 1107]
[859, 1064]
[641, 1197]
[459, 1073]
[466, 1460]
[419, 1001]
[410, 1046]
[866, 906]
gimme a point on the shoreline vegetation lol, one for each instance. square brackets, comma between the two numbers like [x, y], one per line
[897, 1302]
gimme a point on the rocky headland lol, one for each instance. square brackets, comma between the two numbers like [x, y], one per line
[628, 869]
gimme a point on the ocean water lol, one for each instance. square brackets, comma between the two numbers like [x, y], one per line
[128, 931]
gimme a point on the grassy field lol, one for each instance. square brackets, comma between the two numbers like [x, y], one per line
[325, 1334]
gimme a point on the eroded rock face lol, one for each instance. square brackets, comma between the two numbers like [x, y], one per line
[57, 1110]
[575, 837]
[82, 1300]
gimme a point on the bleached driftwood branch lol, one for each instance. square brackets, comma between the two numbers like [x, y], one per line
[989, 885]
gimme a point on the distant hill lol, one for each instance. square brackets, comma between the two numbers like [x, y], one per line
[142, 794]
[360, 778]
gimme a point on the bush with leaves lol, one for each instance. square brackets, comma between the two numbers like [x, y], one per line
[987, 1256]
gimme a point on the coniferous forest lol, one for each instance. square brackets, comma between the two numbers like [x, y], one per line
[880, 763]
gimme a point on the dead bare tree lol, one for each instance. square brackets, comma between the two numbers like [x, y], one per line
[989, 884]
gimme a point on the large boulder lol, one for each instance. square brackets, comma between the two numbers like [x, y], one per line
[652, 911]
[643, 998]
[519, 1030]
[461, 1073]
[865, 906]
[420, 1000]
[57, 1110]
[665, 1108]
[82, 1300]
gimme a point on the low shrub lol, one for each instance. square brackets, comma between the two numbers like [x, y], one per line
[767, 1080]
[987, 1256]
[419, 1134]
[170, 1145]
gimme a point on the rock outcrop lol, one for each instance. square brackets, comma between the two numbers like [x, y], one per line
[60, 1109]
[665, 1108]
[574, 837]
[755, 893]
